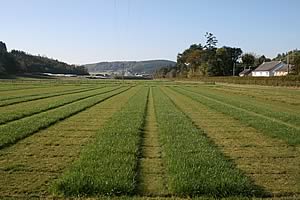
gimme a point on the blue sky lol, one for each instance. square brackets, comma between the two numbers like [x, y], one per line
[87, 31]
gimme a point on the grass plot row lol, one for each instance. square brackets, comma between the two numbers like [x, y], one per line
[16, 130]
[109, 165]
[194, 165]
[44, 95]
[273, 110]
[290, 134]
[17, 111]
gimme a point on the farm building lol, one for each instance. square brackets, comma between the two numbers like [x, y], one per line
[283, 71]
[273, 68]
[245, 72]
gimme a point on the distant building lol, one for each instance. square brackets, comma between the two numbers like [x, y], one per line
[283, 71]
[245, 72]
[273, 68]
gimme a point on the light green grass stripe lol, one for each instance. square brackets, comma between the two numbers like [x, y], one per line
[267, 125]
[26, 98]
[18, 111]
[109, 165]
[17, 130]
[265, 108]
[194, 165]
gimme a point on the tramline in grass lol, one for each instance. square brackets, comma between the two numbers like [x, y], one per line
[108, 166]
[270, 162]
[194, 165]
[30, 166]
[210, 143]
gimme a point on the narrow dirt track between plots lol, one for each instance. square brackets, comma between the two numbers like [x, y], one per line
[31, 165]
[152, 173]
[270, 162]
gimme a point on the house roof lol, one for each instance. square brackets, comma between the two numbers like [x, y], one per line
[245, 72]
[285, 68]
[269, 66]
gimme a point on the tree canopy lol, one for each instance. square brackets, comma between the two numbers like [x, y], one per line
[16, 61]
[207, 60]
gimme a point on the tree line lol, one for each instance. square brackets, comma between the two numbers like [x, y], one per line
[208, 60]
[19, 62]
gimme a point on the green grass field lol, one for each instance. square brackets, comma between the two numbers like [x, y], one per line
[92, 139]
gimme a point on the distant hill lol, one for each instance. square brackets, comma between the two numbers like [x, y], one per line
[19, 62]
[147, 67]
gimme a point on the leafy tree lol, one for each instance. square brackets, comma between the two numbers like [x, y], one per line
[8, 64]
[248, 60]
[296, 67]
[194, 60]
[226, 59]
[235, 54]
[39, 64]
[261, 60]
[3, 47]
[208, 60]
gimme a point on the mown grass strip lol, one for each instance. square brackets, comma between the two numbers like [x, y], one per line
[50, 93]
[109, 165]
[24, 91]
[17, 130]
[35, 92]
[290, 134]
[271, 110]
[194, 165]
[30, 166]
[9, 87]
[152, 180]
[274, 95]
[270, 162]
[18, 111]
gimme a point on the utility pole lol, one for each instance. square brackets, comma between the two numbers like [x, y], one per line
[288, 63]
[123, 73]
[233, 69]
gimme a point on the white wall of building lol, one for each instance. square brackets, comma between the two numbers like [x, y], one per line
[261, 73]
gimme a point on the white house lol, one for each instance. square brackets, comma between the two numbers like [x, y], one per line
[273, 68]
[283, 71]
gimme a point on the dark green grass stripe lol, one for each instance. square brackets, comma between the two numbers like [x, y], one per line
[26, 98]
[11, 116]
[267, 125]
[194, 164]
[17, 130]
[109, 165]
